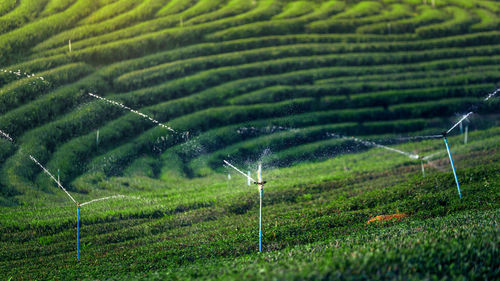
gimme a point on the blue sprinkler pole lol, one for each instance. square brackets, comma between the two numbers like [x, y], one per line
[452, 165]
[78, 233]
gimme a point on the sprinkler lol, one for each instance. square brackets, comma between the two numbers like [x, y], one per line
[78, 205]
[260, 183]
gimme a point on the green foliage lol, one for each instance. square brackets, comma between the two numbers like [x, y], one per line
[460, 23]
[7, 6]
[23, 13]
[19, 39]
[270, 81]
[56, 6]
[24, 90]
[109, 11]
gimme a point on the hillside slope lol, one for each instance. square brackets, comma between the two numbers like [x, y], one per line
[343, 102]
[231, 77]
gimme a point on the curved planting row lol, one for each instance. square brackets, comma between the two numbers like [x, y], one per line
[210, 67]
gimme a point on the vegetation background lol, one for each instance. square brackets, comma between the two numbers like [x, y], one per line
[275, 82]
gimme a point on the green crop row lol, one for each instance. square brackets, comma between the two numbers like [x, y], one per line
[24, 90]
[207, 49]
[220, 138]
[218, 94]
[290, 64]
[231, 222]
[175, 7]
[42, 64]
[161, 40]
[488, 21]
[49, 106]
[396, 12]
[392, 97]
[319, 150]
[168, 71]
[14, 42]
[295, 9]
[199, 9]
[56, 6]
[7, 6]
[468, 77]
[207, 119]
[362, 9]
[473, 70]
[140, 28]
[489, 5]
[459, 24]
[200, 103]
[276, 27]
[348, 97]
[343, 76]
[289, 143]
[141, 12]
[425, 17]
[109, 11]
[406, 111]
[83, 148]
[233, 8]
[21, 14]
[185, 105]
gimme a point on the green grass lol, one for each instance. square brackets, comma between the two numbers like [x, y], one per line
[251, 81]
[218, 225]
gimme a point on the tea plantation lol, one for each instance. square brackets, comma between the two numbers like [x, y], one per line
[280, 82]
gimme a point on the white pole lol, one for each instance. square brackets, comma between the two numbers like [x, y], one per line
[249, 182]
[228, 176]
[69, 45]
[423, 169]
[97, 138]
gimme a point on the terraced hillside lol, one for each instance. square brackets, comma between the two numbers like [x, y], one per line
[236, 75]
[244, 80]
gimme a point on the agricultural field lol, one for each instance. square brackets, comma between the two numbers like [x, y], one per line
[343, 103]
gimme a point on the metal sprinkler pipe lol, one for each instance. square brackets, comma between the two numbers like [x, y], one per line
[451, 162]
[78, 231]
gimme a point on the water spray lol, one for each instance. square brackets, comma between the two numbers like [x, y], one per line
[133, 111]
[230, 165]
[53, 178]
[78, 205]
[22, 74]
[373, 144]
[459, 122]
[5, 135]
[260, 184]
[492, 94]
